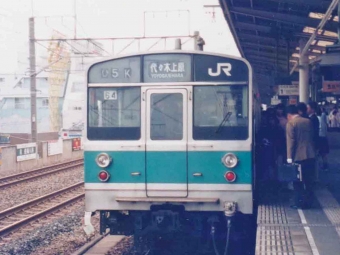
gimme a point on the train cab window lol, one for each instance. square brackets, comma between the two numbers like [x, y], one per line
[220, 112]
[114, 113]
[166, 116]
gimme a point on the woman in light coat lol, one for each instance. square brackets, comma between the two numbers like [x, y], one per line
[334, 118]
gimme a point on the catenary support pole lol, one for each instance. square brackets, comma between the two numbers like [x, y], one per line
[33, 81]
[303, 75]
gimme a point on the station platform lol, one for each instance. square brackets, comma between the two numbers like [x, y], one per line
[282, 230]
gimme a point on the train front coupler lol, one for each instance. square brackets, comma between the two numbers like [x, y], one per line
[230, 209]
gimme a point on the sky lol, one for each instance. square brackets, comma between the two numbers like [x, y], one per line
[109, 18]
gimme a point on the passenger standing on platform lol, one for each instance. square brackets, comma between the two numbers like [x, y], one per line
[281, 139]
[281, 116]
[300, 150]
[323, 141]
[302, 110]
[267, 142]
[311, 110]
[334, 118]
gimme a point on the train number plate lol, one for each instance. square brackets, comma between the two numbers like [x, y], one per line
[110, 95]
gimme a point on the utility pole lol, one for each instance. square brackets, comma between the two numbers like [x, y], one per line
[33, 81]
[75, 18]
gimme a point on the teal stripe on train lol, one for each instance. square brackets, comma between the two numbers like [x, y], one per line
[168, 167]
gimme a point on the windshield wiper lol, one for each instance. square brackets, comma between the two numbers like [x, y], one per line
[226, 118]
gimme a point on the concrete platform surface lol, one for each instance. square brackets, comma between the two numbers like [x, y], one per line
[282, 230]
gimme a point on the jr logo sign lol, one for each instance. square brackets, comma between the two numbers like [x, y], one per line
[225, 67]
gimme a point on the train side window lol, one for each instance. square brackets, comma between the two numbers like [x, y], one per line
[166, 116]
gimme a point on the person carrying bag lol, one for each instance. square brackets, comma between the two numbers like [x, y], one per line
[301, 152]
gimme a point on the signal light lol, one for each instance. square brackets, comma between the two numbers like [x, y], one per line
[103, 176]
[230, 176]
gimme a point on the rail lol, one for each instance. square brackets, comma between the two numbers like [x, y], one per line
[40, 172]
[18, 216]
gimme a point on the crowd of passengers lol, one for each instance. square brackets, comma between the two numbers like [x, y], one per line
[295, 134]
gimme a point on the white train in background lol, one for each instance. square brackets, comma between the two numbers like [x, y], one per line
[72, 115]
[82, 54]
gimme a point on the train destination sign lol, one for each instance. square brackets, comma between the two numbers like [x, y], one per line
[169, 67]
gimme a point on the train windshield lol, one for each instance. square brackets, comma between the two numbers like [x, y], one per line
[114, 113]
[221, 112]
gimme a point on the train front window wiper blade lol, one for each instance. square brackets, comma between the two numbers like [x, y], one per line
[226, 118]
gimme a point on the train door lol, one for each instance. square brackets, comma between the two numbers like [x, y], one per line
[166, 142]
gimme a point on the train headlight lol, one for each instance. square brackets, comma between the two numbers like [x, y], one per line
[103, 160]
[230, 160]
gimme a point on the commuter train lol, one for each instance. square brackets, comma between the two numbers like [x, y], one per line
[168, 141]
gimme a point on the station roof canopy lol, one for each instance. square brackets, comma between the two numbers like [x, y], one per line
[268, 32]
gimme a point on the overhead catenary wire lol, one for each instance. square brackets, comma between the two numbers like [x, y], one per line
[114, 38]
[99, 47]
[84, 54]
[91, 41]
[72, 47]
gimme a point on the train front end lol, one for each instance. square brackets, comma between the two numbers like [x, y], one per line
[168, 141]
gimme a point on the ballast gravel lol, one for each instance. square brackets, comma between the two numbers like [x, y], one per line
[61, 236]
[24, 192]
[124, 247]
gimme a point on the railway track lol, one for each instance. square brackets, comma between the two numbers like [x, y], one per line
[22, 215]
[115, 244]
[37, 173]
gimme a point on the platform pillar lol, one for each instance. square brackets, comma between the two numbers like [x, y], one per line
[303, 74]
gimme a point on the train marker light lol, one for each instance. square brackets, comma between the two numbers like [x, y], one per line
[230, 160]
[103, 160]
[230, 176]
[103, 176]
